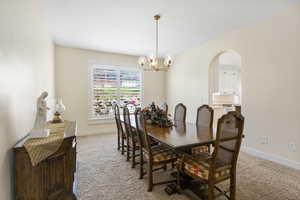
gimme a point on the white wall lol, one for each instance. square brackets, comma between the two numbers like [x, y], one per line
[270, 80]
[72, 67]
[26, 69]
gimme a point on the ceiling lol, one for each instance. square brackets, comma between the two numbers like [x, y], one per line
[127, 26]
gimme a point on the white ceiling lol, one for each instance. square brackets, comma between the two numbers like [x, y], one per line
[127, 26]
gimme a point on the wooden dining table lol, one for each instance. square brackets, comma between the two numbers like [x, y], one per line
[180, 136]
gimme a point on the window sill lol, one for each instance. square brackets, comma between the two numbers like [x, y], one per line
[100, 121]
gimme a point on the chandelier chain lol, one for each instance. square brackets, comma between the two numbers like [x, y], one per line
[157, 38]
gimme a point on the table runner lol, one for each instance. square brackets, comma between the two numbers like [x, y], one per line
[41, 148]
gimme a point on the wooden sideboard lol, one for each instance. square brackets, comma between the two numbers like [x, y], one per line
[52, 179]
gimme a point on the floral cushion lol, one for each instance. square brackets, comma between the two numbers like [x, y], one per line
[161, 153]
[200, 149]
[201, 169]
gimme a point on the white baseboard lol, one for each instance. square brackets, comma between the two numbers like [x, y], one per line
[273, 158]
[94, 132]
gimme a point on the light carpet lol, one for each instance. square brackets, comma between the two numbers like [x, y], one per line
[103, 174]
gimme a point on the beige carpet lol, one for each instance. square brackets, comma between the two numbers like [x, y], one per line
[103, 174]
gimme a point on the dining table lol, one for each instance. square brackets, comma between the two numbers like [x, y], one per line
[180, 136]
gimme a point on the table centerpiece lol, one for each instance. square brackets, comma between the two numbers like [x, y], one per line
[154, 115]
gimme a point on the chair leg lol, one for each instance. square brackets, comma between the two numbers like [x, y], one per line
[119, 141]
[122, 145]
[211, 195]
[165, 167]
[232, 186]
[133, 156]
[128, 151]
[141, 164]
[150, 177]
[173, 164]
[179, 188]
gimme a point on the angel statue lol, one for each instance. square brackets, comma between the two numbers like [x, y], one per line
[39, 129]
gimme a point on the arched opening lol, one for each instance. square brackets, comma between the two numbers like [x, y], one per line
[225, 82]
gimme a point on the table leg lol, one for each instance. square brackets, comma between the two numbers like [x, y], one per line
[196, 187]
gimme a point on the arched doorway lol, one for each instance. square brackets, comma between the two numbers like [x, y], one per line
[225, 82]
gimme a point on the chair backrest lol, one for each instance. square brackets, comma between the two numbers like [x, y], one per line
[117, 117]
[180, 113]
[228, 139]
[164, 107]
[205, 116]
[238, 109]
[131, 107]
[127, 122]
[143, 137]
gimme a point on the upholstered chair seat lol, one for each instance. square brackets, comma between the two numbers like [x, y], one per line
[160, 153]
[197, 166]
[200, 149]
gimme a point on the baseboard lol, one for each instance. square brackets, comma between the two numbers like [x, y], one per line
[95, 132]
[273, 158]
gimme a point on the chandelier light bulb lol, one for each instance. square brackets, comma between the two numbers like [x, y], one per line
[153, 61]
[142, 61]
[168, 61]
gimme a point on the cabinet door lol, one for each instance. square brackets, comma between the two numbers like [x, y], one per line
[225, 81]
[235, 81]
[62, 166]
[52, 179]
[228, 81]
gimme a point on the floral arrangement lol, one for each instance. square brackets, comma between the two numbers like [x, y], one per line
[157, 116]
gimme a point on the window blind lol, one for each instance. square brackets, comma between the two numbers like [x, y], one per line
[113, 85]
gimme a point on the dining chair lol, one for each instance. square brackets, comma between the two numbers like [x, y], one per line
[132, 143]
[205, 116]
[180, 113]
[121, 135]
[156, 157]
[221, 164]
[164, 107]
[238, 109]
[131, 107]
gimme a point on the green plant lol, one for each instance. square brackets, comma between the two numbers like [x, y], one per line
[156, 116]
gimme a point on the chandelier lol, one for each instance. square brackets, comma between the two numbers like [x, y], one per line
[155, 63]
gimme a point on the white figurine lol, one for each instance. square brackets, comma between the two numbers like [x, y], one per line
[39, 130]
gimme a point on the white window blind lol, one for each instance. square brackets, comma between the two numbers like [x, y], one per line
[111, 85]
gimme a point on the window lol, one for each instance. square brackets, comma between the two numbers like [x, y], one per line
[111, 85]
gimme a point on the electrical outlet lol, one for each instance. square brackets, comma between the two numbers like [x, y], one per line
[264, 140]
[292, 147]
